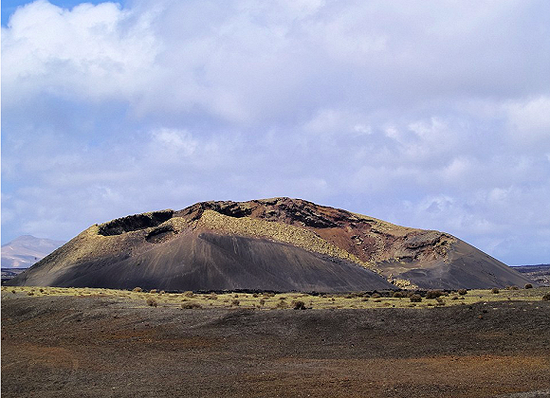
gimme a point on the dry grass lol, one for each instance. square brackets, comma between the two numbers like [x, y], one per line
[270, 301]
[279, 232]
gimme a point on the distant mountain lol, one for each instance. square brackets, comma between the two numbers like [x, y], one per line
[24, 251]
[280, 244]
[540, 273]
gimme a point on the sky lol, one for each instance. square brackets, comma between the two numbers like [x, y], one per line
[431, 114]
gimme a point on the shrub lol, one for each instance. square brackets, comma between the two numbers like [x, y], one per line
[162, 292]
[153, 291]
[281, 304]
[262, 302]
[433, 294]
[462, 292]
[495, 290]
[188, 294]
[137, 289]
[546, 297]
[213, 296]
[440, 301]
[190, 306]
[512, 288]
[152, 302]
[415, 298]
[299, 305]
[375, 295]
[528, 286]
[235, 302]
[398, 294]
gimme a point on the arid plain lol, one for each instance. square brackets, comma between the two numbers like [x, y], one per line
[112, 343]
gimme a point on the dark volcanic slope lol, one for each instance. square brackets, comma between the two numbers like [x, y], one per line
[274, 244]
[211, 261]
[467, 266]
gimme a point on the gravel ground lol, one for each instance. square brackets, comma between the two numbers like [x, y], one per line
[98, 347]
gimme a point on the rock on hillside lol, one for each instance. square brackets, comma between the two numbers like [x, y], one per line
[271, 244]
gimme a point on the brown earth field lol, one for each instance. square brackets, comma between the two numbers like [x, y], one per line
[71, 343]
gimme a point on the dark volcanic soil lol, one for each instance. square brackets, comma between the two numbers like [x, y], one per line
[95, 347]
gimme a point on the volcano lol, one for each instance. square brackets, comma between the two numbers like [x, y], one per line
[278, 244]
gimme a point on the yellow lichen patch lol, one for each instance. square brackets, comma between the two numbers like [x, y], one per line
[279, 232]
[386, 227]
[178, 223]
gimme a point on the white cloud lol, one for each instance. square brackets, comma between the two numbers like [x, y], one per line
[362, 129]
[431, 114]
[173, 142]
[89, 52]
[457, 169]
[529, 122]
[337, 123]
[245, 62]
